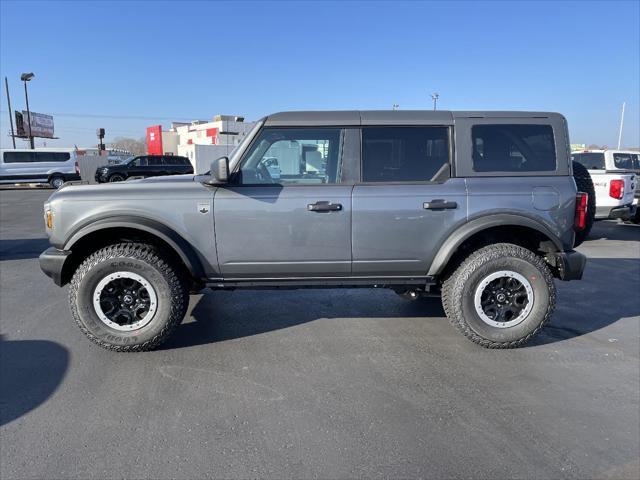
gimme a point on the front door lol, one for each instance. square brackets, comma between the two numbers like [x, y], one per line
[285, 212]
[406, 202]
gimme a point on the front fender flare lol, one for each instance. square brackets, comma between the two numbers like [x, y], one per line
[165, 233]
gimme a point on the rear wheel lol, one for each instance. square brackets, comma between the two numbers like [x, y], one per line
[116, 177]
[585, 184]
[126, 297]
[56, 181]
[500, 296]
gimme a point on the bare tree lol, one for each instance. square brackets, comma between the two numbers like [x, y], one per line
[136, 147]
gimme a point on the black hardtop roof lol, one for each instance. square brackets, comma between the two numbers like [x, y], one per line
[389, 117]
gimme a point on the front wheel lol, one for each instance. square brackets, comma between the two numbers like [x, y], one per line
[500, 296]
[126, 297]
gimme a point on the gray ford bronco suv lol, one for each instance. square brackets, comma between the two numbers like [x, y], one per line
[478, 207]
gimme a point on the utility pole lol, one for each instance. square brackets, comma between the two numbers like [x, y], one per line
[13, 135]
[435, 97]
[621, 124]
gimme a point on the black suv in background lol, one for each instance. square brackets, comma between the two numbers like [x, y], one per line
[144, 166]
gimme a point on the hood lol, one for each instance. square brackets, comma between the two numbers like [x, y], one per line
[120, 188]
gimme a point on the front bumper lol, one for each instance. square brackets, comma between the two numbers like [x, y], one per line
[101, 177]
[568, 265]
[52, 262]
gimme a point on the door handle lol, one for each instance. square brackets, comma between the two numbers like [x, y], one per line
[324, 206]
[439, 204]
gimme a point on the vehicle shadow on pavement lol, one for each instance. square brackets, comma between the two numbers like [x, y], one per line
[30, 372]
[221, 316]
[607, 293]
[22, 248]
[612, 230]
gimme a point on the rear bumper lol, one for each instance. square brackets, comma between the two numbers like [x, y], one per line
[52, 262]
[623, 212]
[569, 265]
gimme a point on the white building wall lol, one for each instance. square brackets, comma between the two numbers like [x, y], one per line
[201, 156]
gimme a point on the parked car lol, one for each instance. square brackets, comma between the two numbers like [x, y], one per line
[615, 179]
[52, 166]
[144, 166]
[480, 207]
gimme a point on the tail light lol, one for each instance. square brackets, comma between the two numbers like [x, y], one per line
[77, 168]
[616, 189]
[582, 203]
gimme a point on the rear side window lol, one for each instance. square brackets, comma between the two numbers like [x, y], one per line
[590, 160]
[36, 157]
[403, 154]
[171, 160]
[513, 148]
[628, 161]
[155, 161]
[52, 156]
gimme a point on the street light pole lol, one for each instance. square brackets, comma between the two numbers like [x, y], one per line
[26, 77]
[435, 97]
[13, 136]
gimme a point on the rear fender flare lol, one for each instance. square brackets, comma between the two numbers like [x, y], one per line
[477, 225]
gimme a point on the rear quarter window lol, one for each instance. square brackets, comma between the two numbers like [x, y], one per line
[628, 161]
[513, 148]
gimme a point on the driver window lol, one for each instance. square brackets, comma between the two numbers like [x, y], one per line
[139, 162]
[293, 156]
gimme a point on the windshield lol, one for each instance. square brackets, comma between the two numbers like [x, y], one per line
[240, 148]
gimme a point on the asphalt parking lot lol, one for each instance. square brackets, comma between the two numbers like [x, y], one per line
[319, 383]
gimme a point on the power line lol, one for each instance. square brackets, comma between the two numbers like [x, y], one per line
[117, 117]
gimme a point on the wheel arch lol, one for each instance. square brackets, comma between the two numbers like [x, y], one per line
[523, 231]
[97, 234]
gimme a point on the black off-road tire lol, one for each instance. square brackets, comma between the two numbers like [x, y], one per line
[459, 288]
[585, 184]
[146, 261]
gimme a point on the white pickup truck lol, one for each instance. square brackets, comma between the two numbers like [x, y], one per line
[615, 178]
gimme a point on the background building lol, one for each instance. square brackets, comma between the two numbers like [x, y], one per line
[200, 141]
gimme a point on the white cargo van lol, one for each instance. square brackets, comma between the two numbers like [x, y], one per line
[44, 165]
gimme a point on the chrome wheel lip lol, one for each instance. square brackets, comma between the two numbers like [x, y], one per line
[153, 301]
[477, 301]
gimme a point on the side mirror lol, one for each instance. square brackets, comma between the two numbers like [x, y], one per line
[219, 171]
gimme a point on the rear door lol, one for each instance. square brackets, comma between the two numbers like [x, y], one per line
[286, 212]
[405, 200]
[155, 166]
